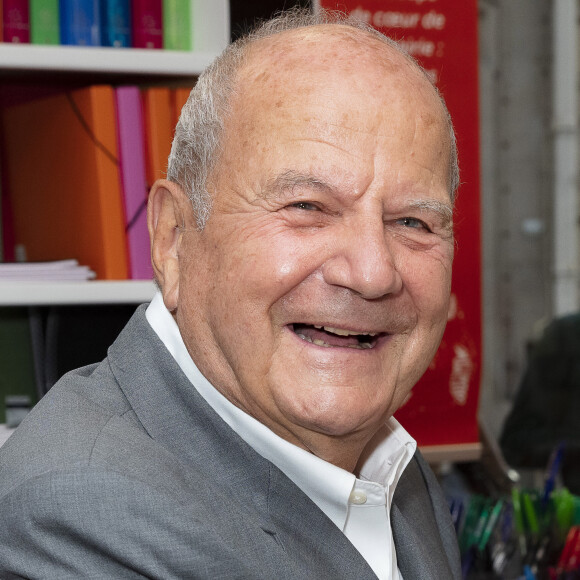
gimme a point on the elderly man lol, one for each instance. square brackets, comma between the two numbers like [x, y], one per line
[241, 426]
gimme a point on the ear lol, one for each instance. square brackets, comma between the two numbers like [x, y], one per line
[166, 219]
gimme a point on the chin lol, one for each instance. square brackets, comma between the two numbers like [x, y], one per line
[336, 418]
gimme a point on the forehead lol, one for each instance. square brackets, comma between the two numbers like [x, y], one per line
[309, 57]
[337, 86]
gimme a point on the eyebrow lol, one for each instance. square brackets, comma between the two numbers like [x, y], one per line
[290, 179]
[444, 210]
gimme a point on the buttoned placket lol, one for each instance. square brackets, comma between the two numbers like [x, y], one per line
[368, 527]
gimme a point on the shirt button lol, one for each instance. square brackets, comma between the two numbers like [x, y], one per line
[358, 497]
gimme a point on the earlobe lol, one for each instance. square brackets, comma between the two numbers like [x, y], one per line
[166, 223]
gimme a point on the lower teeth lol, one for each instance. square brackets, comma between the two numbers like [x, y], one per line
[318, 342]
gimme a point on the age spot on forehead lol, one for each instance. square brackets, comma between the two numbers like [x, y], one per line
[263, 77]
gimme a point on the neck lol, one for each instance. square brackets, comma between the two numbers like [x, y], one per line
[344, 451]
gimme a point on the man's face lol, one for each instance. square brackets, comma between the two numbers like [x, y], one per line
[317, 293]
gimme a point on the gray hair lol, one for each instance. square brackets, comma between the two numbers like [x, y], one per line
[198, 136]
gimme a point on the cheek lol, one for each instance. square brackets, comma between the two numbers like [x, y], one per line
[427, 278]
[267, 267]
[247, 279]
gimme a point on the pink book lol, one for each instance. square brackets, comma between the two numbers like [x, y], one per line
[147, 19]
[130, 137]
[16, 21]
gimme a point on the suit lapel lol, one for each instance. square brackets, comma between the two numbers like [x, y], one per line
[319, 549]
[419, 557]
[421, 554]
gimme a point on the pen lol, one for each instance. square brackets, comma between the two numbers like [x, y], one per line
[519, 521]
[490, 525]
[531, 516]
[456, 513]
[564, 562]
[564, 509]
[552, 472]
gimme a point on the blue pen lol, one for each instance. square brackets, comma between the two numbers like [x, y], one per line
[456, 513]
[552, 472]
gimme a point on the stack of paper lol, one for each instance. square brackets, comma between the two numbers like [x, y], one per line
[61, 270]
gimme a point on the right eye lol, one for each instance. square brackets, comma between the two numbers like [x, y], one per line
[304, 205]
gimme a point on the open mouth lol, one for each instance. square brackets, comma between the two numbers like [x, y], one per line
[329, 336]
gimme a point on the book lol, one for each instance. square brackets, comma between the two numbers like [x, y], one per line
[44, 22]
[62, 177]
[180, 96]
[159, 128]
[6, 223]
[17, 378]
[147, 21]
[16, 21]
[116, 23]
[80, 22]
[177, 29]
[131, 144]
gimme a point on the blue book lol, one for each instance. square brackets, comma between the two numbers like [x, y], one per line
[80, 22]
[116, 23]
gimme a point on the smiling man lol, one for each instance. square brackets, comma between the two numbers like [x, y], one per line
[241, 426]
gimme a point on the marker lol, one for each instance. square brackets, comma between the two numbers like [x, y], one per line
[490, 525]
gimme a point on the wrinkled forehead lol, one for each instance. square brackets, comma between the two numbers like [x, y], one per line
[342, 87]
[310, 55]
[335, 64]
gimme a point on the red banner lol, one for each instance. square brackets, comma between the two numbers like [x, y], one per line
[442, 36]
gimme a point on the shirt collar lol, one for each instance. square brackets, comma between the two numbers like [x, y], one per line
[329, 486]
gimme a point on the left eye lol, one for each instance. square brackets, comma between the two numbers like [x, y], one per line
[412, 223]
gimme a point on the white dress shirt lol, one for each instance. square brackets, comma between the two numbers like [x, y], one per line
[359, 507]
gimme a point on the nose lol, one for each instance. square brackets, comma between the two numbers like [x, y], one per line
[364, 262]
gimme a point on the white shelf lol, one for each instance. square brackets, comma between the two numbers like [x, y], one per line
[34, 58]
[93, 292]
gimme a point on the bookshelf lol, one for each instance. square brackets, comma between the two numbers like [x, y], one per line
[47, 65]
[210, 33]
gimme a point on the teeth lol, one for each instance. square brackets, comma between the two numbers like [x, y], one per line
[318, 342]
[342, 332]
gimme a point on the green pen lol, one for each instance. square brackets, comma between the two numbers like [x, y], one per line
[531, 516]
[484, 516]
[519, 520]
[490, 525]
[467, 537]
[564, 502]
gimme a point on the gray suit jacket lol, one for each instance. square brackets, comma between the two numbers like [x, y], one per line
[124, 471]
